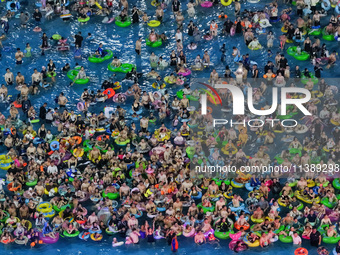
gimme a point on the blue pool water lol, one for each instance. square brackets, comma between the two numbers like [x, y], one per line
[122, 41]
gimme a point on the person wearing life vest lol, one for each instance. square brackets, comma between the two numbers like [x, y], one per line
[213, 28]
[211, 237]
[174, 243]
[222, 15]
[213, 240]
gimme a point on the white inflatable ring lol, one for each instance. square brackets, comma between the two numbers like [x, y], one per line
[265, 23]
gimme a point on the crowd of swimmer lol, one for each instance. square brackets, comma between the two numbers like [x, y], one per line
[99, 174]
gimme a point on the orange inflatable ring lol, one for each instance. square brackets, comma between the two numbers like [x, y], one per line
[245, 227]
[81, 222]
[7, 241]
[209, 109]
[99, 138]
[77, 139]
[301, 251]
[109, 92]
[16, 105]
[10, 187]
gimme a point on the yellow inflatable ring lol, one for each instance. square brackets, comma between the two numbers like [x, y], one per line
[226, 152]
[55, 191]
[154, 3]
[154, 23]
[44, 207]
[281, 203]
[317, 93]
[250, 244]
[14, 225]
[81, 152]
[335, 122]
[156, 86]
[256, 220]
[96, 239]
[226, 3]
[310, 183]
[326, 149]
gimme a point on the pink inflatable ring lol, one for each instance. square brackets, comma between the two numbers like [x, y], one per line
[206, 4]
[186, 73]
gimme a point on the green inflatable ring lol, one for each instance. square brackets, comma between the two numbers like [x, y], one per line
[330, 240]
[281, 228]
[72, 74]
[71, 235]
[292, 184]
[279, 159]
[299, 207]
[284, 117]
[126, 23]
[189, 97]
[227, 182]
[190, 152]
[316, 32]
[49, 74]
[84, 20]
[56, 208]
[86, 146]
[325, 202]
[56, 37]
[153, 44]
[315, 160]
[137, 164]
[292, 52]
[295, 151]
[286, 239]
[108, 232]
[6, 217]
[304, 79]
[321, 228]
[336, 183]
[206, 209]
[217, 181]
[95, 59]
[124, 143]
[111, 196]
[326, 36]
[124, 68]
[223, 235]
[32, 183]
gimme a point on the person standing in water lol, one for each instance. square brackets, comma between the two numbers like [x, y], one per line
[138, 47]
[174, 244]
